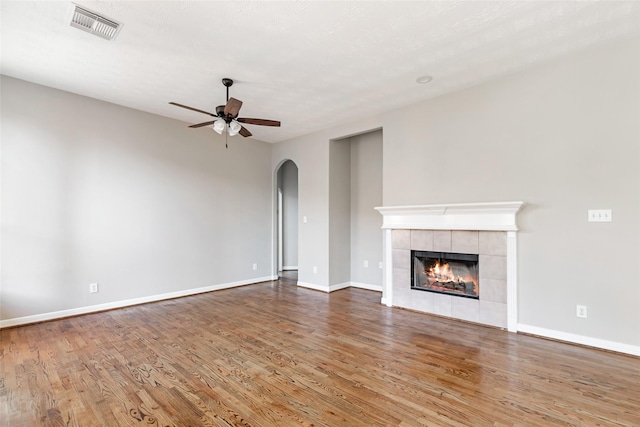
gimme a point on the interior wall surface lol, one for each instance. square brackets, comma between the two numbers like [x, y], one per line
[312, 159]
[366, 194]
[311, 154]
[563, 137]
[339, 212]
[97, 193]
[289, 181]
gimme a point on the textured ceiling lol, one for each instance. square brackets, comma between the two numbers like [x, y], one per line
[308, 64]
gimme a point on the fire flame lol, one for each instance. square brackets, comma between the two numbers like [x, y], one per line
[443, 273]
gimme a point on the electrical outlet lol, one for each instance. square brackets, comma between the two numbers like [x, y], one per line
[380, 264]
[581, 311]
[315, 269]
[599, 215]
[366, 263]
[255, 267]
[93, 288]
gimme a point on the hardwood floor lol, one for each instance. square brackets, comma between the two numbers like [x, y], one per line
[272, 354]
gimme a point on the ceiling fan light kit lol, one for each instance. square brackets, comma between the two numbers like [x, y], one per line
[227, 116]
[234, 128]
[219, 126]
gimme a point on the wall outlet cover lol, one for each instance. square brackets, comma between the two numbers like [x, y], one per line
[581, 311]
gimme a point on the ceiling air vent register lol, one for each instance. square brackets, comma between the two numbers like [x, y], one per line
[93, 23]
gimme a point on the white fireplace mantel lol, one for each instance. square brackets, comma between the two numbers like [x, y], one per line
[491, 216]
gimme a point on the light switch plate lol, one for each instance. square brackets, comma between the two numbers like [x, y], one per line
[600, 215]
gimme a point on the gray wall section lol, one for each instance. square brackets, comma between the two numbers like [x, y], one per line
[564, 138]
[94, 192]
[366, 194]
[339, 212]
[311, 155]
[289, 174]
[312, 158]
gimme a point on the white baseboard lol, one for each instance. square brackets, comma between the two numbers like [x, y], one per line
[368, 286]
[339, 286]
[324, 288]
[580, 339]
[289, 267]
[126, 303]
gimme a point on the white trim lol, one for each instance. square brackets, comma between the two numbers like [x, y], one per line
[492, 216]
[313, 286]
[339, 286]
[126, 303]
[580, 339]
[512, 281]
[387, 271]
[280, 231]
[289, 267]
[368, 286]
[324, 288]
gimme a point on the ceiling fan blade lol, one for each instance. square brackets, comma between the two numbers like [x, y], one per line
[199, 125]
[261, 122]
[233, 107]
[193, 109]
[244, 131]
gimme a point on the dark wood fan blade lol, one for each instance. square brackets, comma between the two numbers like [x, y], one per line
[244, 131]
[261, 122]
[193, 109]
[233, 107]
[199, 125]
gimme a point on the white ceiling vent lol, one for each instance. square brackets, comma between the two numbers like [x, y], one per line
[93, 23]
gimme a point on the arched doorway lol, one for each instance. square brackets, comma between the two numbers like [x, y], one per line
[287, 219]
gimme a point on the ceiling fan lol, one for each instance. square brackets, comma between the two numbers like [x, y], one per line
[227, 116]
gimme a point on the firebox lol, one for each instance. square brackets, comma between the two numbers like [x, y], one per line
[445, 272]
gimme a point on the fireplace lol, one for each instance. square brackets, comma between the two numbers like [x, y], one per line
[488, 230]
[445, 273]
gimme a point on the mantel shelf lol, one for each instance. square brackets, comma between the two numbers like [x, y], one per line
[492, 216]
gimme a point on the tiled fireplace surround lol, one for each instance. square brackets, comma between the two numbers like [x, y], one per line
[491, 246]
[486, 229]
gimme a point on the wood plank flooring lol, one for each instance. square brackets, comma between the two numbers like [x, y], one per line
[272, 354]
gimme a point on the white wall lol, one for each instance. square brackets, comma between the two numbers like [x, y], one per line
[366, 194]
[564, 138]
[94, 192]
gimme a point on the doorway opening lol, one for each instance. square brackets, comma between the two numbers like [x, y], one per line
[287, 220]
